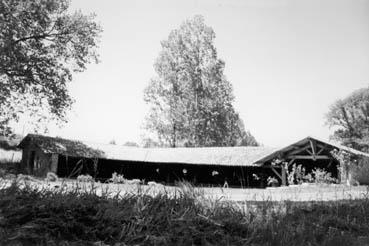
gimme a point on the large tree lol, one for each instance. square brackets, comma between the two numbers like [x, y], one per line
[41, 45]
[350, 119]
[191, 99]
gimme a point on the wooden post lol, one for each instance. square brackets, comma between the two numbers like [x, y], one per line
[313, 147]
[54, 163]
[284, 178]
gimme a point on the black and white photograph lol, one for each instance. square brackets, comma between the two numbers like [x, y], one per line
[184, 122]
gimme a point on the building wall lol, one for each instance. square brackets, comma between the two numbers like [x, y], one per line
[40, 165]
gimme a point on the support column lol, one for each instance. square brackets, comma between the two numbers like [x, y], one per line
[284, 176]
[54, 163]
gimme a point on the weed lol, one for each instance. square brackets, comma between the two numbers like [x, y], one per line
[51, 177]
[85, 178]
[117, 178]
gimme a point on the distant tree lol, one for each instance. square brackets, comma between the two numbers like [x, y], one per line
[350, 118]
[248, 140]
[10, 143]
[190, 99]
[113, 142]
[131, 144]
[243, 137]
[150, 143]
[41, 44]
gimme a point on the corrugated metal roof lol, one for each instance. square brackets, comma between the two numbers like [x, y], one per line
[226, 156]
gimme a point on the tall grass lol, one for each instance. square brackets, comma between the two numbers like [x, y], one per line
[30, 216]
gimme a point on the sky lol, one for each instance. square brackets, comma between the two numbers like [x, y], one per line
[288, 61]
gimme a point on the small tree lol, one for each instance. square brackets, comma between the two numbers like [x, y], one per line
[349, 165]
[347, 161]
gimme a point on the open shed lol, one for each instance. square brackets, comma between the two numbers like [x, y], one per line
[202, 166]
[238, 166]
[310, 152]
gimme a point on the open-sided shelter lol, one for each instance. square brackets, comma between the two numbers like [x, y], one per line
[238, 166]
[310, 152]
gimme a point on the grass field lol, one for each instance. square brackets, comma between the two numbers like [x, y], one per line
[74, 214]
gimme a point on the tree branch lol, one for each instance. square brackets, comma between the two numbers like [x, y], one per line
[42, 36]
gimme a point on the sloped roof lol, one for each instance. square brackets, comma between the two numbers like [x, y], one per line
[61, 146]
[305, 141]
[225, 156]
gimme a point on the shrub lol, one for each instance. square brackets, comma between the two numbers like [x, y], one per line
[133, 181]
[10, 176]
[117, 178]
[296, 175]
[271, 181]
[51, 177]
[85, 178]
[322, 177]
[22, 177]
[348, 165]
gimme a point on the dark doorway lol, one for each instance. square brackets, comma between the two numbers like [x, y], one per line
[32, 162]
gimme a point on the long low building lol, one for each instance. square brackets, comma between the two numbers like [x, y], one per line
[238, 166]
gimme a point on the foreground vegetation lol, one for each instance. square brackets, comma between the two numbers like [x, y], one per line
[75, 217]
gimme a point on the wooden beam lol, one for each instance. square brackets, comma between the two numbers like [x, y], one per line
[290, 162]
[275, 171]
[330, 163]
[313, 146]
[310, 153]
[321, 150]
[309, 157]
[298, 150]
[321, 145]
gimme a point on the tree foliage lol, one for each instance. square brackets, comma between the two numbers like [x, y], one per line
[191, 99]
[41, 44]
[350, 118]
